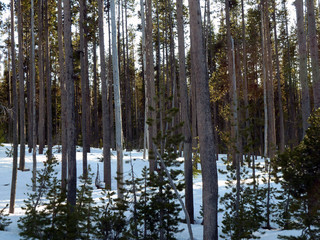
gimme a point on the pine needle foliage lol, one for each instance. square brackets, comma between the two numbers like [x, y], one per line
[4, 220]
[299, 173]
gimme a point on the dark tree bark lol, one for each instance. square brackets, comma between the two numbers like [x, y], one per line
[207, 145]
[150, 80]
[64, 136]
[83, 88]
[21, 89]
[42, 110]
[48, 77]
[14, 116]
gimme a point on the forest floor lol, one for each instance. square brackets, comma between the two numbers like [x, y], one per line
[24, 179]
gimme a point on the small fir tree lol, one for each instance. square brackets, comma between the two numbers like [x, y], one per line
[4, 220]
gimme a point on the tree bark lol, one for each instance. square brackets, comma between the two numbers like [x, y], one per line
[185, 110]
[150, 81]
[313, 45]
[21, 89]
[34, 110]
[281, 118]
[41, 122]
[71, 148]
[117, 102]
[64, 136]
[14, 117]
[48, 77]
[303, 70]
[83, 89]
[105, 106]
[207, 148]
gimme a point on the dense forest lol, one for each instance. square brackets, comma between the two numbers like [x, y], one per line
[232, 77]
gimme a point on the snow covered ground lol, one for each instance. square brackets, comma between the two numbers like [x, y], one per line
[24, 178]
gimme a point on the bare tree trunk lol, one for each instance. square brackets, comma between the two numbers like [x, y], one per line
[15, 116]
[313, 44]
[48, 77]
[41, 122]
[303, 70]
[207, 148]
[117, 102]
[21, 89]
[64, 137]
[95, 135]
[34, 110]
[72, 167]
[150, 80]
[145, 132]
[83, 89]
[105, 108]
[281, 118]
[185, 110]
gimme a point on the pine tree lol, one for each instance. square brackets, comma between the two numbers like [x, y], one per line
[4, 220]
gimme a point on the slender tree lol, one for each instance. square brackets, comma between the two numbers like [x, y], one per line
[41, 122]
[150, 80]
[187, 148]
[21, 88]
[105, 105]
[206, 140]
[64, 137]
[48, 78]
[14, 117]
[83, 87]
[117, 101]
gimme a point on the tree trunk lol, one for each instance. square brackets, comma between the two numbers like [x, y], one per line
[41, 122]
[83, 89]
[48, 77]
[34, 110]
[150, 80]
[117, 102]
[14, 117]
[185, 110]
[281, 120]
[207, 148]
[303, 70]
[313, 44]
[64, 137]
[105, 108]
[21, 89]
[71, 148]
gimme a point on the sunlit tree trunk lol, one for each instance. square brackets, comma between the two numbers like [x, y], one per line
[117, 102]
[105, 109]
[303, 70]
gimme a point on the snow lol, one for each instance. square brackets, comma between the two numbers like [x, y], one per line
[24, 179]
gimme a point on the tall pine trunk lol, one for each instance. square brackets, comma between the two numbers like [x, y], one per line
[64, 136]
[105, 109]
[14, 116]
[185, 111]
[206, 140]
[313, 44]
[71, 148]
[21, 89]
[117, 101]
[303, 70]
